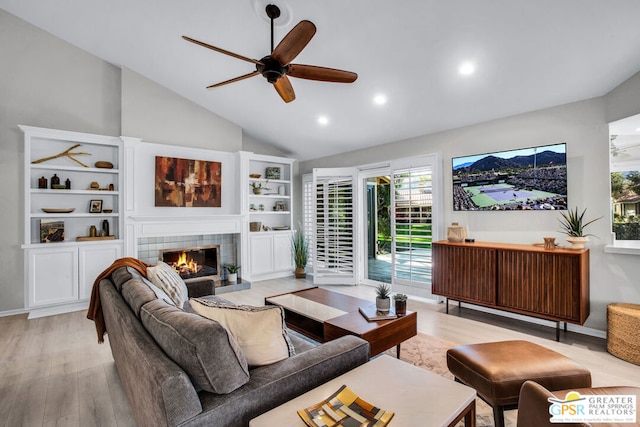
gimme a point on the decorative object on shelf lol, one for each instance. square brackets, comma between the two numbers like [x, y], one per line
[255, 226]
[280, 227]
[107, 210]
[383, 302]
[55, 180]
[252, 207]
[172, 174]
[66, 153]
[300, 249]
[103, 233]
[281, 190]
[401, 304]
[111, 187]
[549, 242]
[104, 165]
[51, 230]
[254, 175]
[272, 172]
[573, 225]
[42, 182]
[261, 207]
[105, 227]
[456, 233]
[232, 269]
[279, 206]
[94, 185]
[67, 184]
[266, 228]
[93, 231]
[58, 210]
[257, 187]
[95, 206]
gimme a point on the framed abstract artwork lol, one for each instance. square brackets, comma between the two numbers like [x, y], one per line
[188, 183]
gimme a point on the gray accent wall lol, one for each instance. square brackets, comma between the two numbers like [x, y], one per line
[584, 127]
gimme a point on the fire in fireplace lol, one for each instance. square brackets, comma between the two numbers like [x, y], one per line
[201, 261]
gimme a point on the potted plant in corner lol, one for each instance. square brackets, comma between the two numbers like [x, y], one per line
[383, 302]
[401, 304]
[232, 269]
[573, 226]
[300, 249]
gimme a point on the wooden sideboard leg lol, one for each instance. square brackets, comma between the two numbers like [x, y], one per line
[447, 306]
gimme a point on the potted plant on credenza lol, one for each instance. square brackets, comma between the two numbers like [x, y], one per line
[573, 225]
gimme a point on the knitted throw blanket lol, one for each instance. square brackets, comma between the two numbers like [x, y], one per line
[95, 308]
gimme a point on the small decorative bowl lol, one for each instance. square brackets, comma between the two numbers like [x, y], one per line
[107, 210]
[255, 175]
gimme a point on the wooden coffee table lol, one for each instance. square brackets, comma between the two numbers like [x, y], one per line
[324, 315]
[416, 396]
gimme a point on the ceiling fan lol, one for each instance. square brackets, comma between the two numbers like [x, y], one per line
[621, 152]
[277, 66]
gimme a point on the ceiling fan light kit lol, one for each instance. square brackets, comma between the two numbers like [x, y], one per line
[277, 66]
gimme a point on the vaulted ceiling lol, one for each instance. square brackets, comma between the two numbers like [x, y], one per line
[526, 55]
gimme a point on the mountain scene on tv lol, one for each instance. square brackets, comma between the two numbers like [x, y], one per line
[526, 179]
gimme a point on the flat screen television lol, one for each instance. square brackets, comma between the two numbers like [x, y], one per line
[522, 179]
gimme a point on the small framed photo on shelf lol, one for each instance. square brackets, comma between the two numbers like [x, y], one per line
[279, 206]
[51, 230]
[95, 206]
[272, 172]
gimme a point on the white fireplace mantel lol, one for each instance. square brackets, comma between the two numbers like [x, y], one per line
[156, 226]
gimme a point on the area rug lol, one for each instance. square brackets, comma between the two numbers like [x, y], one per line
[430, 353]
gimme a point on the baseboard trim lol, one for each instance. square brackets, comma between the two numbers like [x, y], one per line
[57, 309]
[13, 312]
[570, 327]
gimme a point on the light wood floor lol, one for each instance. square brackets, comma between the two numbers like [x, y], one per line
[53, 372]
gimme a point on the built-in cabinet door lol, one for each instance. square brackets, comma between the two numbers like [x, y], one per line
[282, 255]
[93, 260]
[261, 254]
[52, 275]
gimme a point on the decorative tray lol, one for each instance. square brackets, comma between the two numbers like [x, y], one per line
[58, 211]
[344, 408]
[281, 227]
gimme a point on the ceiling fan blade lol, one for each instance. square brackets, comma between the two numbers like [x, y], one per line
[217, 49]
[324, 74]
[293, 43]
[284, 89]
[236, 79]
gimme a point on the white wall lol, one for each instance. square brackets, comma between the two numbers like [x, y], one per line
[583, 126]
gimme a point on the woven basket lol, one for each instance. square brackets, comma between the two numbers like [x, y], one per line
[623, 340]
[255, 226]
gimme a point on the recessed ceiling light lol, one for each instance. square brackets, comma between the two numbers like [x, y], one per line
[467, 68]
[380, 99]
[323, 120]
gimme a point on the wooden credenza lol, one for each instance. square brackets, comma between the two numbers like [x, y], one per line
[525, 279]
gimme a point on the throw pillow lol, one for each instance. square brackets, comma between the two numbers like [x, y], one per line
[166, 278]
[203, 348]
[260, 331]
[159, 292]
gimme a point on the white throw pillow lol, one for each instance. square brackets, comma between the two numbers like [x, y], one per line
[159, 292]
[259, 331]
[167, 279]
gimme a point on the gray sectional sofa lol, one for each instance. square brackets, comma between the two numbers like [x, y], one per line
[162, 393]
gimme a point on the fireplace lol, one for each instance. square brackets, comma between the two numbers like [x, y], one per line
[194, 262]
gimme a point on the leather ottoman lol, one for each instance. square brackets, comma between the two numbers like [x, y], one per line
[497, 370]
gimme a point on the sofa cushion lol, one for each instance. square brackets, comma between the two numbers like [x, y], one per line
[203, 348]
[166, 278]
[136, 293]
[260, 331]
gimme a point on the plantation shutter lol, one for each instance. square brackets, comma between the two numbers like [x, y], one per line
[412, 228]
[334, 226]
[308, 212]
